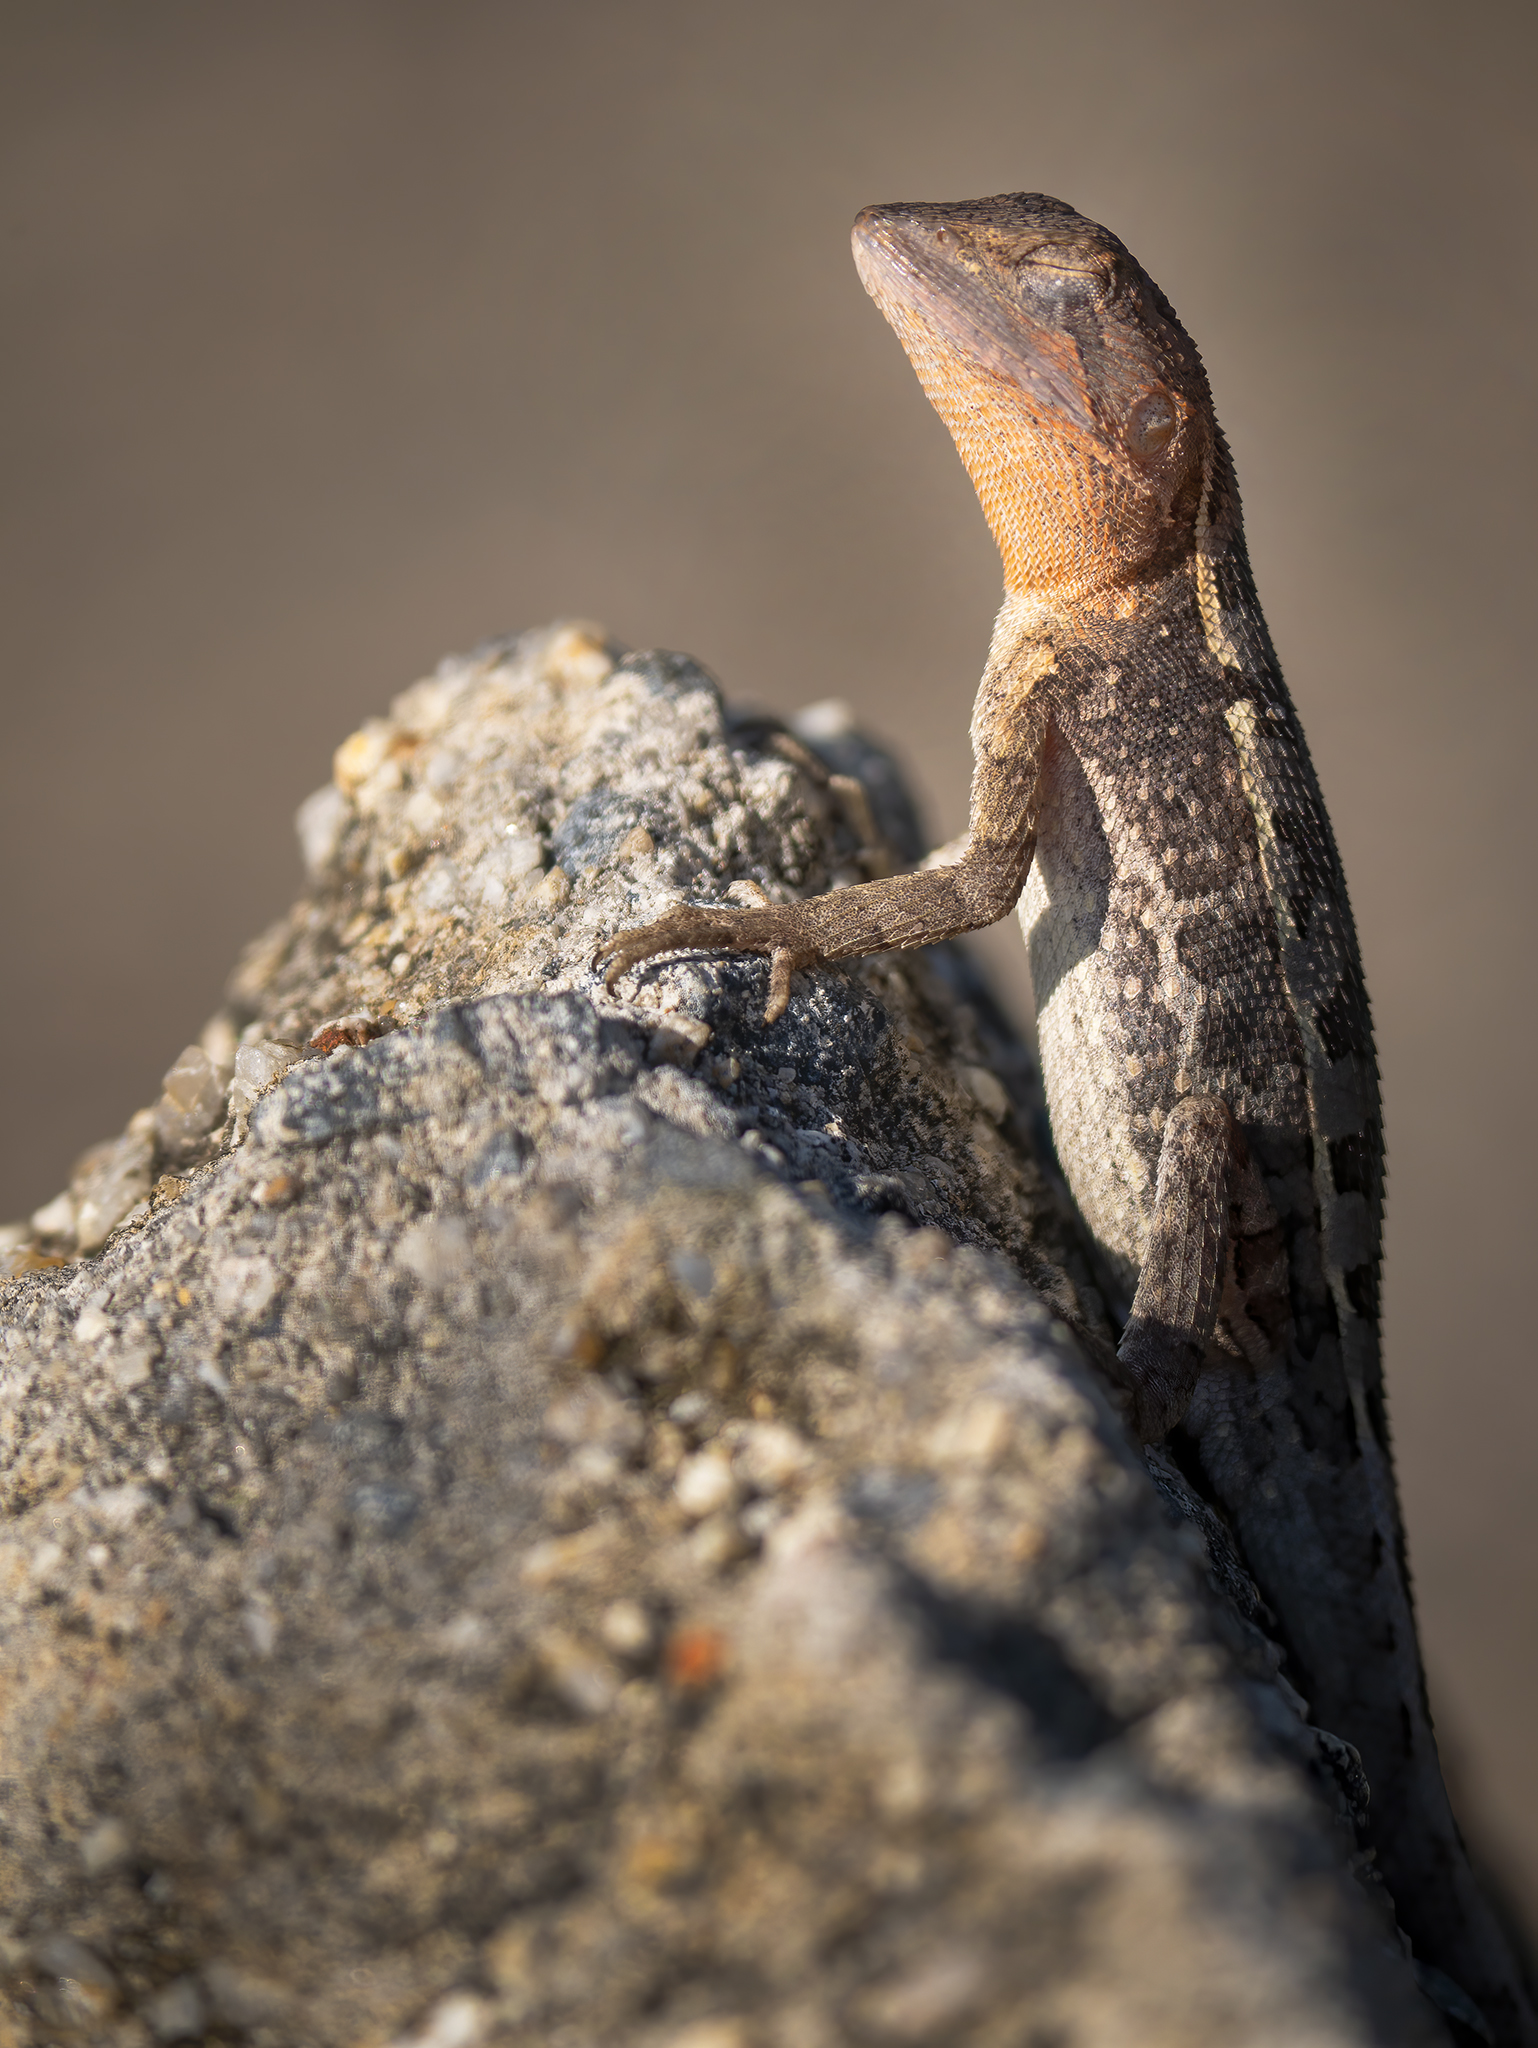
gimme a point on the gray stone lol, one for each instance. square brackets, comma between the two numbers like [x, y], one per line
[108, 1183]
[548, 1544]
[178, 2012]
[192, 1104]
[258, 1063]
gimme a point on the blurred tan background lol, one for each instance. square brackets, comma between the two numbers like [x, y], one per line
[339, 336]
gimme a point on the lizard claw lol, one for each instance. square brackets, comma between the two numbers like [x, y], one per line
[693, 927]
[690, 926]
[781, 961]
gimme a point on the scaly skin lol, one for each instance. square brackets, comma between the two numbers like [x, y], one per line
[1205, 1037]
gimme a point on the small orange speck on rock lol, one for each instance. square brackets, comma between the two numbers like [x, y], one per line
[357, 1030]
[694, 1658]
[584, 1345]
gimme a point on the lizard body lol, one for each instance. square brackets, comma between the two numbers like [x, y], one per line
[1140, 775]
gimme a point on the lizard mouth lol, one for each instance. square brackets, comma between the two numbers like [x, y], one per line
[923, 276]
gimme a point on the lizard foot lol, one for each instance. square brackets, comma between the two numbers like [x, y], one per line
[1158, 1367]
[697, 928]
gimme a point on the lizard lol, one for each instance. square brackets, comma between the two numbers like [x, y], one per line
[1142, 789]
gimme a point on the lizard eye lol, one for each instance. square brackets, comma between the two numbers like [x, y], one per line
[1151, 425]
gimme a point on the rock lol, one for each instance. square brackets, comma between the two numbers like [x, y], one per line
[319, 823]
[178, 2012]
[109, 1182]
[191, 1106]
[532, 1541]
[105, 1847]
[258, 1064]
[56, 1219]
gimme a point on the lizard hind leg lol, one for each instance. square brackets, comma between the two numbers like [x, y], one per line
[1174, 1312]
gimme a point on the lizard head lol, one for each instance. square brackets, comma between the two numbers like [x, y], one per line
[1077, 400]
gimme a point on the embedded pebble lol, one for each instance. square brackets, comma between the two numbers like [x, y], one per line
[360, 755]
[583, 1677]
[109, 1182]
[627, 1628]
[55, 1218]
[437, 1250]
[770, 1456]
[121, 1506]
[257, 1066]
[718, 1541]
[93, 1322]
[192, 1102]
[423, 812]
[320, 822]
[577, 657]
[520, 852]
[678, 1040]
[219, 1040]
[244, 1286]
[261, 1628]
[705, 1484]
[105, 1846]
[553, 891]
[132, 1367]
[177, 2012]
[460, 2021]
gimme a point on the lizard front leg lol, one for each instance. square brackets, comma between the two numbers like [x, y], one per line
[902, 910]
[872, 917]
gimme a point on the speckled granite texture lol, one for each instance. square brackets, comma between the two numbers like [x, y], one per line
[543, 1517]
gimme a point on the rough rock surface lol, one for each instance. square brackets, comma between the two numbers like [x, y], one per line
[541, 1517]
